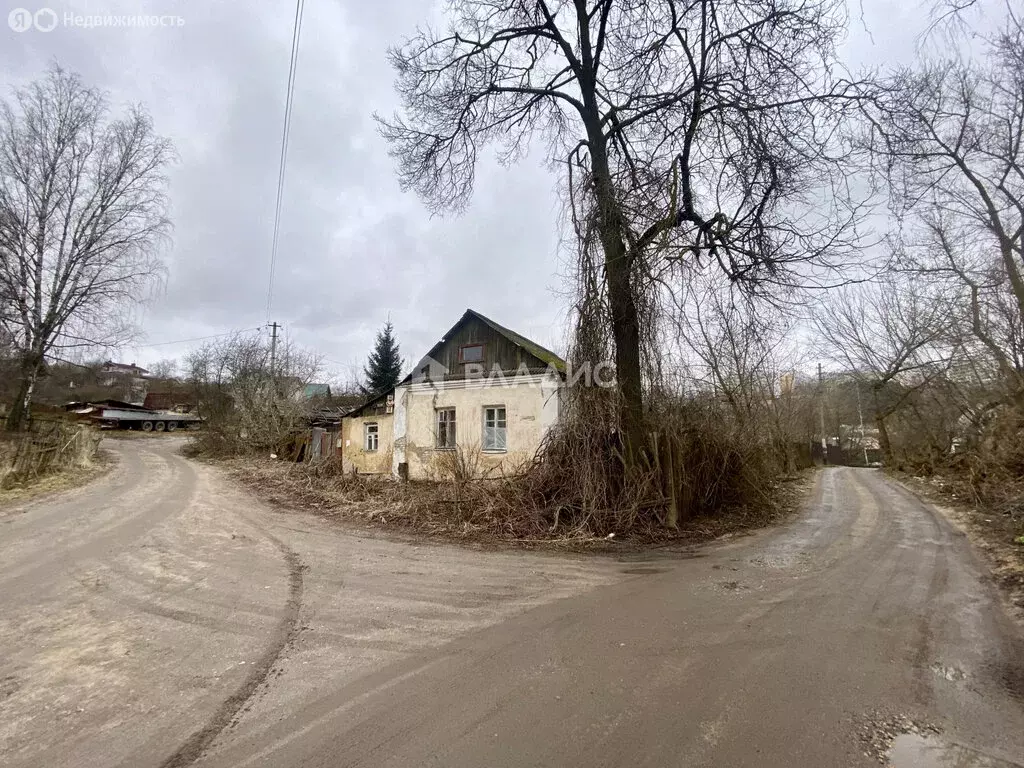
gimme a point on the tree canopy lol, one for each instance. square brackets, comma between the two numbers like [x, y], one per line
[82, 210]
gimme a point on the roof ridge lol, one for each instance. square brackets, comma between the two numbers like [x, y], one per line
[540, 352]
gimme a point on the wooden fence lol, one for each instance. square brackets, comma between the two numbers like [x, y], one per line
[51, 446]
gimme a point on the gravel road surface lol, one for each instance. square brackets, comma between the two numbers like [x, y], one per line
[163, 617]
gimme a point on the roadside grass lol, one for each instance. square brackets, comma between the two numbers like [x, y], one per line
[138, 434]
[994, 522]
[482, 513]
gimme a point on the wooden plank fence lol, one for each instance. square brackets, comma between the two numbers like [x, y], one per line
[52, 446]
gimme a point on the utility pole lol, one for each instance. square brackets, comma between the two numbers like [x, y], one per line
[273, 347]
[821, 414]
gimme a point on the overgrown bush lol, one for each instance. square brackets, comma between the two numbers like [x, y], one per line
[698, 462]
[990, 471]
[250, 395]
[715, 473]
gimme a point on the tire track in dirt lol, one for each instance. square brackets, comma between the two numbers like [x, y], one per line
[285, 633]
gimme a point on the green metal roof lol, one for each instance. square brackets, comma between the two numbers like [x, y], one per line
[316, 390]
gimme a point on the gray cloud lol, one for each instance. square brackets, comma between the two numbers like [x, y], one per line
[354, 250]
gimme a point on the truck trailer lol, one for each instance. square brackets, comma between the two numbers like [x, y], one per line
[115, 414]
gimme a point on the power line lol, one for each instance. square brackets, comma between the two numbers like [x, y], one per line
[199, 338]
[285, 132]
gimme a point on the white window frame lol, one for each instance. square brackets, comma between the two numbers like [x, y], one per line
[495, 426]
[367, 434]
[451, 430]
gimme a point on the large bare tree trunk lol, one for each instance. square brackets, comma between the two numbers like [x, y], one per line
[622, 301]
[20, 417]
[883, 433]
[626, 332]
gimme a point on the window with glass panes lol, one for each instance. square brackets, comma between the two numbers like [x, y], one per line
[445, 428]
[371, 432]
[495, 436]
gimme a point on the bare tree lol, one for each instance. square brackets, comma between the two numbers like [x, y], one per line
[892, 337]
[692, 129]
[953, 140]
[742, 352]
[82, 209]
[247, 406]
[164, 369]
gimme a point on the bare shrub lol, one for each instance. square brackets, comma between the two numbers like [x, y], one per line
[700, 463]
[459, 465]
[250, 396]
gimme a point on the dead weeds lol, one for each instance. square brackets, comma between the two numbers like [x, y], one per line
[481, 512]
[58, 482]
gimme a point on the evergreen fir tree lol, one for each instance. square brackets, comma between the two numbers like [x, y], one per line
[384, 367]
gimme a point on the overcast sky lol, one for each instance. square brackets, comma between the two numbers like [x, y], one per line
[353, 249]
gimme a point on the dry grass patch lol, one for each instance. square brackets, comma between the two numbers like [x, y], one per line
[487, 512]
[72, 477]
[51, 447]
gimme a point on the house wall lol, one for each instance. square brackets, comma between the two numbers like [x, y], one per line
[354, 456]
[531, 408]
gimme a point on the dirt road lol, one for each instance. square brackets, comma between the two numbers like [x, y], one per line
[162, 617]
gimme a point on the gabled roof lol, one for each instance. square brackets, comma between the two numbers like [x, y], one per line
[546, 356]
[111, 367]
[374, 399]
[543, 354]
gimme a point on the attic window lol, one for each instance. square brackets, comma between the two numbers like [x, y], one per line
[471, 353]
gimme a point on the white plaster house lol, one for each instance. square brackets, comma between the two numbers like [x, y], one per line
[483, 394]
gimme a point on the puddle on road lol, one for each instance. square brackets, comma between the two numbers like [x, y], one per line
[912, 750]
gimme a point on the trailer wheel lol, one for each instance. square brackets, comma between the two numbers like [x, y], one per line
[171, 426]
[147, 426]
[160, 426]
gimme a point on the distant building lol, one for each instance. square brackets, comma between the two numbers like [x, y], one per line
[113, 373]
[129, 379]
[311, 391]
[180, 401]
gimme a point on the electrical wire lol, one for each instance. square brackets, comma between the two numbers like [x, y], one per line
[199, 338]
[285, 132]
